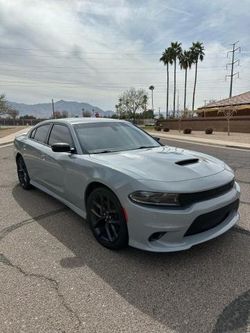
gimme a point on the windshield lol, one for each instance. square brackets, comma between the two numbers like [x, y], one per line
[112, 136]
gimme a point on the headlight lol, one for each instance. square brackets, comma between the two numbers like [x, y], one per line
[155, 198]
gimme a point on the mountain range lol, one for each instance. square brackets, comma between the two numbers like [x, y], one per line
[44, 110]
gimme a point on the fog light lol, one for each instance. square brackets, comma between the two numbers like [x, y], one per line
[156, 235]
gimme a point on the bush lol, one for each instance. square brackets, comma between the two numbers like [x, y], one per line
[158, 128]
[165, 129]
[187, 131]
[209, 131]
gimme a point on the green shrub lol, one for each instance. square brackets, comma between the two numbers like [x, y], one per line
[187, 131]
[209, 131]
[165, 129]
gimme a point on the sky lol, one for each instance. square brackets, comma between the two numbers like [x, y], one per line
[92, 51]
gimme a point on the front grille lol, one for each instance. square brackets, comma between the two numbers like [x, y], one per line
[187, 199]
[212, 219]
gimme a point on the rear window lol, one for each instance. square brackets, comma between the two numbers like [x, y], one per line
[41, 133]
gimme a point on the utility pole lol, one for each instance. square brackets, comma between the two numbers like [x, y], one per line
[53, 109]
[204, 112]
[152, 96]
[232, 74]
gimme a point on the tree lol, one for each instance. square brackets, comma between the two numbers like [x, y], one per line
[65, 114]
[57, 114]
[185, 61]
[13, 113]
[149, 114]
[27, 116]
[132, 101]
[3, 104]
[86, 113]
[145, 103]
[152, 95]
[197, 53]
[166, 58]
[228, 112]
[175, 53]
[6, 109]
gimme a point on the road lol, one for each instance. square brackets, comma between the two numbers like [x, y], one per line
[54, 277]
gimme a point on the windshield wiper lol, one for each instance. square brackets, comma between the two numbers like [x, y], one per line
[104, 151]
[142, 147]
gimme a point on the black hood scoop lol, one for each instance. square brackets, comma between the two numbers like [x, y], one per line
[188, 161]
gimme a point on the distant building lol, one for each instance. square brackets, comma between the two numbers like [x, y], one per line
[241, 104]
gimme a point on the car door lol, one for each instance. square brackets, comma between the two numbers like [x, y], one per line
[34, 151]
[56, 164]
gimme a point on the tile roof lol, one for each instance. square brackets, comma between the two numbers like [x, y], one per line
[235, 100]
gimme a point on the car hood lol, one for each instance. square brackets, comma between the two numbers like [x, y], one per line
[162, 163]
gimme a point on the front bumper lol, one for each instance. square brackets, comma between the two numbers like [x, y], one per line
[145, 221]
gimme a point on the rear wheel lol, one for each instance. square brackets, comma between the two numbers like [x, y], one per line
[106, 218]
[23, 174]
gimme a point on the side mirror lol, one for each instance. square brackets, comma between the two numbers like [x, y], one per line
[62, 147]
[156, 138]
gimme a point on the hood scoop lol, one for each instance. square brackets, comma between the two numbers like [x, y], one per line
[188, 161]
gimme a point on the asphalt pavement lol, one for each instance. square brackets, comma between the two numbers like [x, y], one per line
[54, 277]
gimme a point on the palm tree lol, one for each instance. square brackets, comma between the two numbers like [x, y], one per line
[175, 53]
[166, 58]
[197, 53]
[152, 98]
[186, 62]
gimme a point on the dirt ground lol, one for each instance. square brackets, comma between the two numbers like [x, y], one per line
[6, 130]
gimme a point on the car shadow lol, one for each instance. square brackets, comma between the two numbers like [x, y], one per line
[186, 291]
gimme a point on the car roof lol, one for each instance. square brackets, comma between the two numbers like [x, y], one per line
[82, 120]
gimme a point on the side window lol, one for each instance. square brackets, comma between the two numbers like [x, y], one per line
[60, 133]
[41, 133]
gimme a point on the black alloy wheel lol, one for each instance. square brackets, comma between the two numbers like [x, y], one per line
[22, 173]
[106, 218]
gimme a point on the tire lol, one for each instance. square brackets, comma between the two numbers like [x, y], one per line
[22, 173]
[106, 219]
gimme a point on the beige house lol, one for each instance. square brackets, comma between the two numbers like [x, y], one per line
[240, 103]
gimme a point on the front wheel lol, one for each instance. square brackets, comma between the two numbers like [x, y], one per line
[106, 218]
[22, 173]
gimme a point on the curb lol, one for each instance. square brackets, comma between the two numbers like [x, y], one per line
[237, 147]
[6, 143]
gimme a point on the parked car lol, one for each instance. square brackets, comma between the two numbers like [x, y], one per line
[131, 188]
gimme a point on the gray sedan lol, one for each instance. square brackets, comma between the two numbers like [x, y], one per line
[130, 188]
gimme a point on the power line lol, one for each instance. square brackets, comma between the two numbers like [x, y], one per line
[88, 71]
[232, 63]
[128, 52]
[82, 54]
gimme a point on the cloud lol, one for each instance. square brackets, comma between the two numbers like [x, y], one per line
[93, 50]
